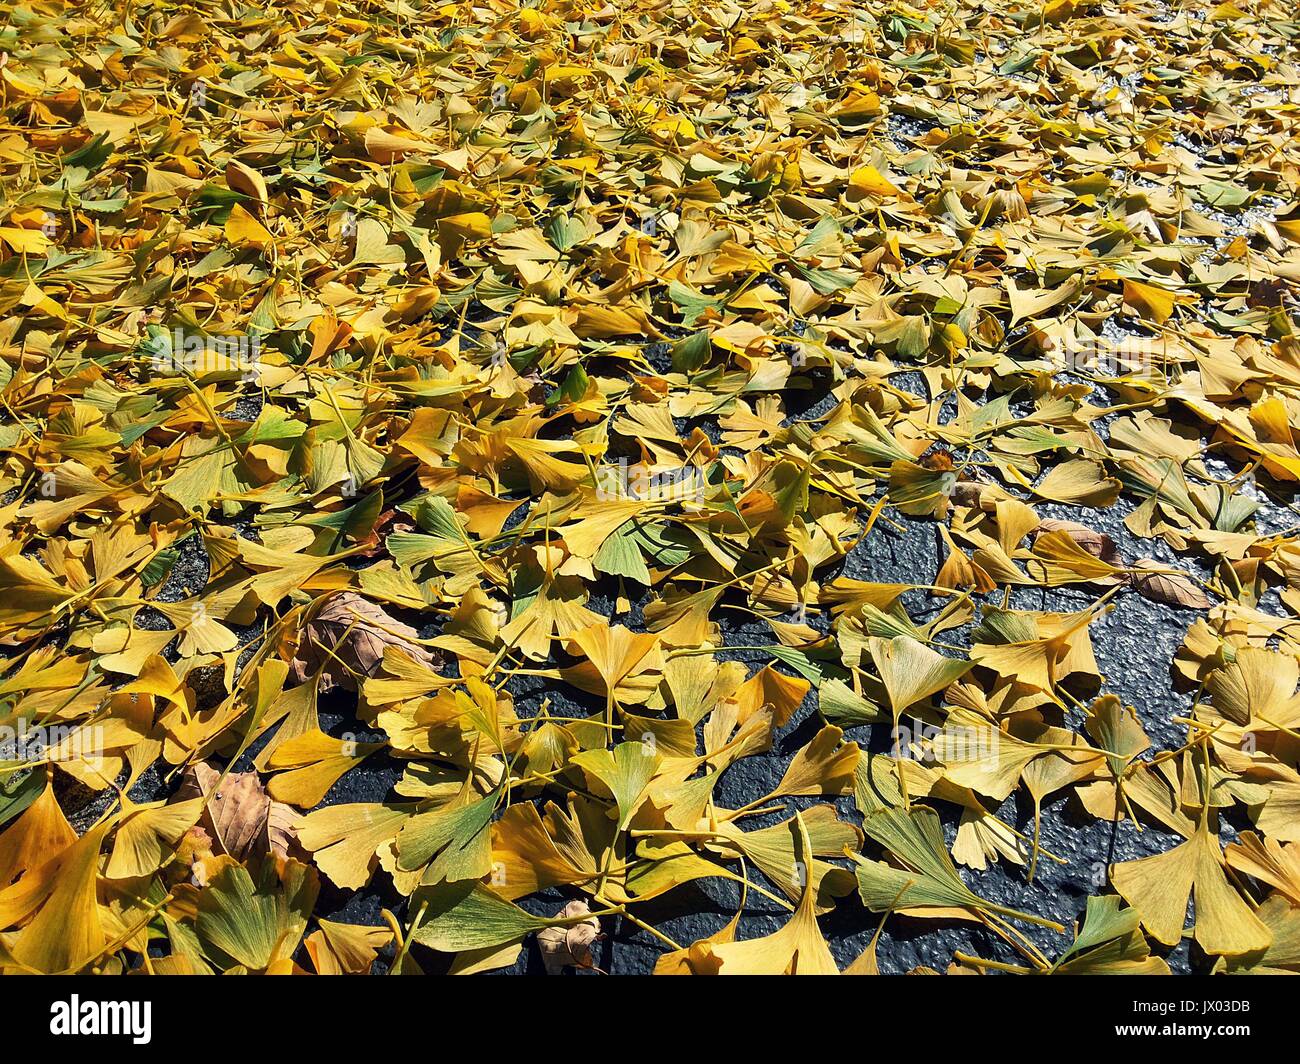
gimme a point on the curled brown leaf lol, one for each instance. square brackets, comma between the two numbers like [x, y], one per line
[564, 947]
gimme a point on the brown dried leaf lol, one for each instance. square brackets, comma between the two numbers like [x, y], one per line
[1173, 589]
[1098, 544]
[282, 822]
[240, 817]
[386, 524]
[347, 638]
[564, 947]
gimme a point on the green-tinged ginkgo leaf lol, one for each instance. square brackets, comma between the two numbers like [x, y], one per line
[1109, 943]
[775, 851]
[839, 704]
[257, 918]
[928, 880]
[469, 916]
[453, 840]
[626, 771]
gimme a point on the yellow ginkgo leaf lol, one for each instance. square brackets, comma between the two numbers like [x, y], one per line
[147, 835]
[1153, 303]
[868, 181]
[41, 831]
[345, 949]
[1158, 888]
[614, 652]
[66, 932]
[315, 761]
[911, 671]
[242, 229]
[25, 241]
[344, 840]
[797, 949]
[825, 766]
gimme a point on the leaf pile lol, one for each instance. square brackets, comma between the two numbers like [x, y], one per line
[486, 366]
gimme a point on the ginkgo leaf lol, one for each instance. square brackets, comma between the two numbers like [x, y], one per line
[525, 858]
[1283, 954]
[867, 180]
[257, 921]
[315, 762]
[1078, 481]
[147, 836]
[1109, 943]
[928, 880]
[244, 179]
[824, 766]
[626, 771]
[29, 591]
[1159, 887]
[775, 850]
[1117, 731]
[344, 839]
[698, 958]
[614, 651]
[544, 466]
[976, 754]
[243, 229]
[38, 833]
[469, 916]
[453, 840]
[345, 949]
[797, 949]
[839, 704]
[67, 930]
[1258, 684]
[912, 671]
[768, 688]
[1151, 301]
[1064, 560]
